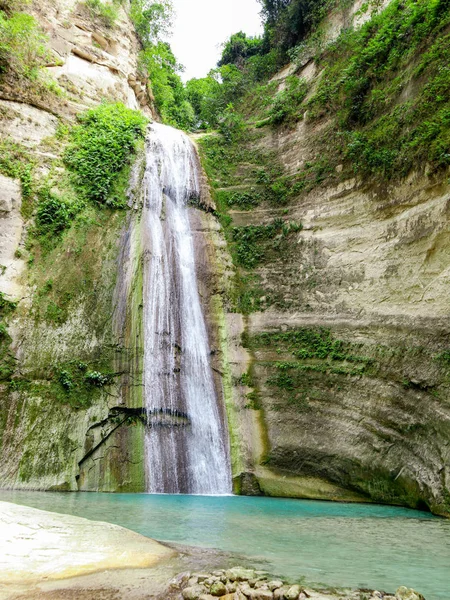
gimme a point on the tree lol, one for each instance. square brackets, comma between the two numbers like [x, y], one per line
[238, 48]
[152, 20]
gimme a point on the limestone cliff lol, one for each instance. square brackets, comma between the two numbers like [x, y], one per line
[77, 301]
[338, 373]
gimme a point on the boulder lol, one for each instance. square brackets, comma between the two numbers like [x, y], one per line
[293, 592]
[193, 592]
[218, 589]
[280, 593]
[240, 574]
[276, 583]
[404, 593]
[261, 583]
[179, 581]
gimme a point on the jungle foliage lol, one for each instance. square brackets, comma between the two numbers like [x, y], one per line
[23, 47]
[100, 146]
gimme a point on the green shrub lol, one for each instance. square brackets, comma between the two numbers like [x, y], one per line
[22, 45]
[106, 13]
[16, 162]
[365, 73]
[231, 125]
[286, 103]
[101, 145]
[97, 379]
[54, 214]
[6, 306]
[248, 252]
[71, 383]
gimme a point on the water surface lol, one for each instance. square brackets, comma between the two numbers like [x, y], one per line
[355, 545]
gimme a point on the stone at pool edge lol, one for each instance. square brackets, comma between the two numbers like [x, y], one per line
[218, 589]
[194, 592]
[404, 593]
[240, 574]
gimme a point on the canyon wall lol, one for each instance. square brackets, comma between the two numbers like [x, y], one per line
[338, 372]
[78, 301]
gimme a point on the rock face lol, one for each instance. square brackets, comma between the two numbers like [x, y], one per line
[367, 274]
[53, 445]
[11, 228]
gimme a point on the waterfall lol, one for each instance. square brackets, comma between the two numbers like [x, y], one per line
[186, 439]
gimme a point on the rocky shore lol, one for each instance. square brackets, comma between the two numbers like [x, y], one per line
[239, 583]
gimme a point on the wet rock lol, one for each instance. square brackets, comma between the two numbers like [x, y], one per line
[279, 593]
[376, 594]
[293, 593]
[218, 573]
[193, 592]
[240, 574]
[192, 581]
[276, 583]
[404, 593]
[179, 581]
[206, 597]
[218, 589]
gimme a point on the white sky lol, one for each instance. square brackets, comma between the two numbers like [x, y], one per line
[201, 26]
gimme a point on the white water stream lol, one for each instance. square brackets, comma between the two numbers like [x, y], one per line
[186, 440]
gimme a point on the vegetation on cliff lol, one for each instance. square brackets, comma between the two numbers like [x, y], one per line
[100, 146]
[24, 51]
[153, 21]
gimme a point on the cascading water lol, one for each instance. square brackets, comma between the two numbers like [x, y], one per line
[186, 441]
